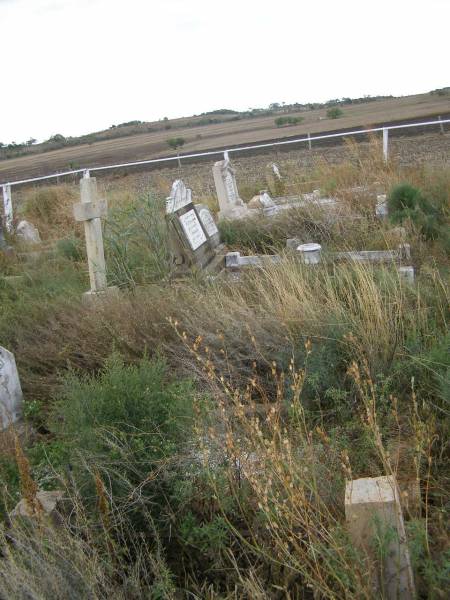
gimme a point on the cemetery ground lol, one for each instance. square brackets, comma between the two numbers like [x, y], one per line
[202, 428]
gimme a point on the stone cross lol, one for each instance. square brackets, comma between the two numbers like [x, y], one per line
[11, 398]
[372, 507]
[89, 211]
[230, 204]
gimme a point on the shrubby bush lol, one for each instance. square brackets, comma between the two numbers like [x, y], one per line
[334, 113]
[408, 203]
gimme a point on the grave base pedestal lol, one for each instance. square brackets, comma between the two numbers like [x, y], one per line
[94, 298]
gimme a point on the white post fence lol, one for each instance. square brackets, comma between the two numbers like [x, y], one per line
[7, 208]
[7, 201]
[385, 144]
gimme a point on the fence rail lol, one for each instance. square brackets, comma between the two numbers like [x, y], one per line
[6, 186]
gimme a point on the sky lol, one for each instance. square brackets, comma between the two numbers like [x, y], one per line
[77, 66]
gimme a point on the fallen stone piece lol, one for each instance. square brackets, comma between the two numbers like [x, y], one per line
[47, 505]
[234, 260]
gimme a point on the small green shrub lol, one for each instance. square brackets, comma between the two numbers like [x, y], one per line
[128, 421]
[71, 248]
[334, 113]
[283, 121]
[175, 143]
[406, 202]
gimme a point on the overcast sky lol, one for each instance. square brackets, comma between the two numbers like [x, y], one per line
[76, 66]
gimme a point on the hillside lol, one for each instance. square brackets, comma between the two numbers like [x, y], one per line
[138, 143]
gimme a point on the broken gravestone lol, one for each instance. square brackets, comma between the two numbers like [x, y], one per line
[10, 391]
[28, 233]
[274, 180]
[230, 204]
[193, 234]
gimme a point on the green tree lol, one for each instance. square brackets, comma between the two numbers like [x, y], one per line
[334, 113]
[176, 143]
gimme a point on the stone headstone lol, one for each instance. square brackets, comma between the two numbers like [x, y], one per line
[28, 233]
[192, 230]
[381, 208]
[11, 398]
[180, 196]
[373, 509]
[230, 204]
[209, 225]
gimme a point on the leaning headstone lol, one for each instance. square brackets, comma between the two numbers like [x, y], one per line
[192, 233]
[230, 204]
[11, 398]
[373, 511]
[28, 233]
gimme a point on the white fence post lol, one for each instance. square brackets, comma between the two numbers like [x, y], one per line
[226, 156]
[309, 141]
[385, 144]
[7, 207]
[441, 125]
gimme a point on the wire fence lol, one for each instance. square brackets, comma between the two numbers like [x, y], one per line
[309, 139]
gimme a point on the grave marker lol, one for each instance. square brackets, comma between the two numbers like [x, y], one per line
[10, 391]
[230, 204]
[194, 236]
[209, 224]
[89, 211]
[372, 508]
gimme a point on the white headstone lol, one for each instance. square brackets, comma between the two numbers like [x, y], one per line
[10, 391]
[28, 233]
[192, 229]
[381, 208]
[230, 204]
[208, 221]
[180, 196]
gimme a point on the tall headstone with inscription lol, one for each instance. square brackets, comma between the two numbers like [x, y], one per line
[10, 391]
[194, 236]
[230, 204]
